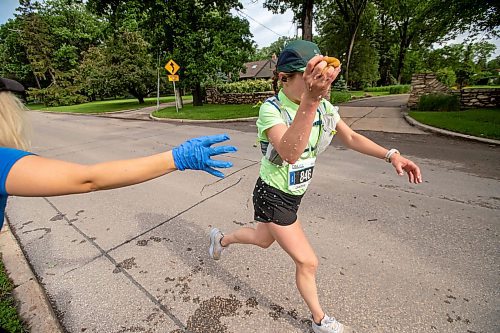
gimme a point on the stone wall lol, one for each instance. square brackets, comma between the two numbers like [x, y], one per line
[479, 98]
[214, 97]
[422, 84]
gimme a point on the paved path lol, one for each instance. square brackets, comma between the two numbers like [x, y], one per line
[394, 257]
[380, 114]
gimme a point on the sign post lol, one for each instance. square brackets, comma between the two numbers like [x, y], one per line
[158, 83]
[172, 68]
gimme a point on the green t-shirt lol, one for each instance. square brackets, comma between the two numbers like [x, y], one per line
[269, 116]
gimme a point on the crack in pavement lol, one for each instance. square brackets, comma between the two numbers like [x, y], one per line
[107, 255]
[354, 122]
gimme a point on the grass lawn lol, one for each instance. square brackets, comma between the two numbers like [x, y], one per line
[209, 112]
[360, 93]
[483, 86]
[105, 106]
[477, 122]
[9, 318]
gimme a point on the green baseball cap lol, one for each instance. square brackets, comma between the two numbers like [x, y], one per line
[295, 56]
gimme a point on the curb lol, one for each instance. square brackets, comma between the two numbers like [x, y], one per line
[32, 304]
[91, 113]
[428, 128]
[201, 120]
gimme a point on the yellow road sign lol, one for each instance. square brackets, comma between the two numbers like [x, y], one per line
[172, 67]
[173, 77]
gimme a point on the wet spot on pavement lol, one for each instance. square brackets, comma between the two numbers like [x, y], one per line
[126, 264]
[252, 302]
[58, 217]
[46, 231]
[276, 311]
[207, 318]
[25, 224]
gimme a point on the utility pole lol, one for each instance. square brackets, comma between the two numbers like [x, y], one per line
[158, 83]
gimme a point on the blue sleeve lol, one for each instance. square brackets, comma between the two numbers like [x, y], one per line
[8, 157]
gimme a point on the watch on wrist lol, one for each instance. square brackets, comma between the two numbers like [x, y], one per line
[390, 153]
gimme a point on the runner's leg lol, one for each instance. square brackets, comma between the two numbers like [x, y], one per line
[293, 240]
[260, 236]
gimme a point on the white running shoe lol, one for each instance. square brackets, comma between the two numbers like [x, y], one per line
[216, 247]
[331, 325]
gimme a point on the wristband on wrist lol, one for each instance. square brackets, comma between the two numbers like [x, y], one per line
[390, 153]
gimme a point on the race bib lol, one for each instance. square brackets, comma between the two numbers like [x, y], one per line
[300, 174]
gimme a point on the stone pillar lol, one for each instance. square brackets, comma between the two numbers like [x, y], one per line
[423, 84]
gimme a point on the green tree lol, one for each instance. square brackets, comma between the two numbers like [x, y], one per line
[223, 46]
[200, 35]
[95, 77]
[131, 65]
[417, 22]
[302, 10]
[54, 35]
[351, 41]
[475, 17]
[420, 23]
[352, 12]
[15, 63]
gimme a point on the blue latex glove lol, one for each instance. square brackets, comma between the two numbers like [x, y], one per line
[195, 154]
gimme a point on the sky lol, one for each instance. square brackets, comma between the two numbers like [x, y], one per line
[265, 26]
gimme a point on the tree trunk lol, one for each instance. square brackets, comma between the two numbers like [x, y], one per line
[349, 53]
[307, 13]
[197, 98]
[180, 94]
[37, 81]
[141, 99]
[403, 46]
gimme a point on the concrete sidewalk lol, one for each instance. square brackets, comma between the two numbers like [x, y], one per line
[381, 119]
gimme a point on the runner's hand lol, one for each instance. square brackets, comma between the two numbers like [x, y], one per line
[403, 164]
[195, 154]
[318, 78]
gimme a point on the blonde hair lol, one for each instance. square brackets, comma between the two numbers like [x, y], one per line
[13, 123]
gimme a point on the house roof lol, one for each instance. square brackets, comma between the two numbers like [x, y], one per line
[262, 69]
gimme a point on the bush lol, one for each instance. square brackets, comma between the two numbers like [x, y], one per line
[394, 89]
[439, 102]
[399, 89]
[446, 76]
[337, 97]
[56, 96]
[340, 84]
[482, 78]
[247, 86]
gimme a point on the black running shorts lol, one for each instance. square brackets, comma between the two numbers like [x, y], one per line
[273, 205]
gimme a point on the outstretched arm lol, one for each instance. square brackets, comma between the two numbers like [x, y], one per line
[362, 144]
[38, 176]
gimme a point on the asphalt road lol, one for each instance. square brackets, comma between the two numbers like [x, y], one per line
[394, 257]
